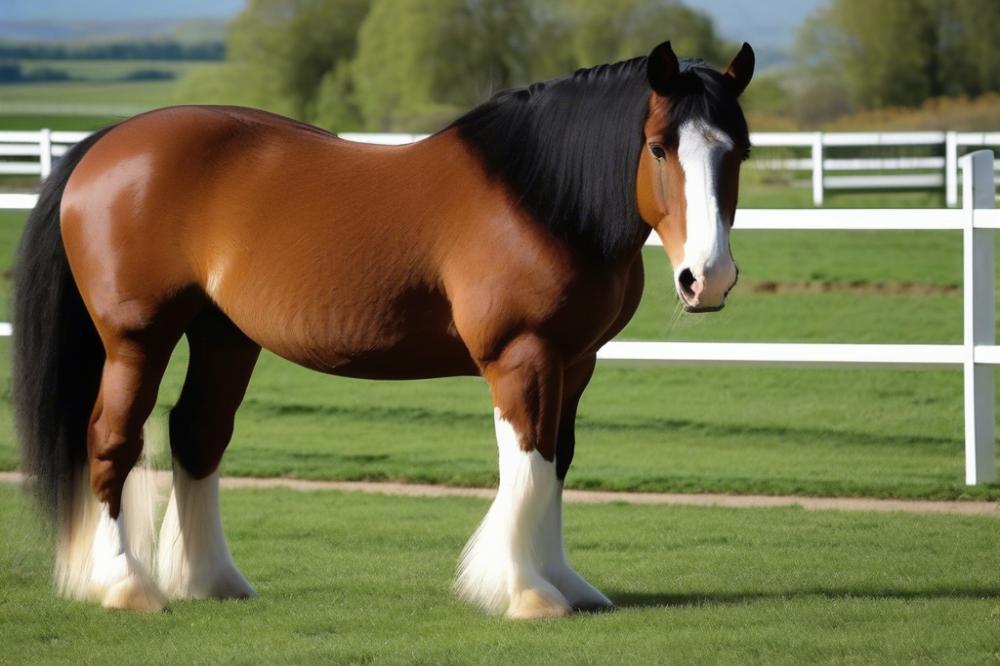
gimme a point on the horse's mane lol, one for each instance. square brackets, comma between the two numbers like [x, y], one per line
[569, 147]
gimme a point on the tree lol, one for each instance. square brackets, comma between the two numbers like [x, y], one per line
[285, 55]
[607, 31]
[412, 65]
[420, 62]
[900, 52]
[970, 30]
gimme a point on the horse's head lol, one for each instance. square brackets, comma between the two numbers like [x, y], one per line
[696, 137]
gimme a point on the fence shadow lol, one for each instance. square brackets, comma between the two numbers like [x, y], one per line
[675, 600]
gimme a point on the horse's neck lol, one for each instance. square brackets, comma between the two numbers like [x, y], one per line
[447, 168]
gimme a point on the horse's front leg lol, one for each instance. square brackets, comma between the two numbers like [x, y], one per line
[502, 566]
[578, 592]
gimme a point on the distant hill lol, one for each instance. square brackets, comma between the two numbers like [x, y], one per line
[43, 30]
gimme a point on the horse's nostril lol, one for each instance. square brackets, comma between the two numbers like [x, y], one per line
[686, 280]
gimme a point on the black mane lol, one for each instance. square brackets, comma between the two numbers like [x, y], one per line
[569, 147]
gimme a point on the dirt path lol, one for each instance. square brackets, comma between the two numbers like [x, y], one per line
[856, 287]
[991, 509]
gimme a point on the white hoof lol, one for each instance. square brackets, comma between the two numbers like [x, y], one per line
[534, 604]
[135, 593]
[224, 582]
[580, 594]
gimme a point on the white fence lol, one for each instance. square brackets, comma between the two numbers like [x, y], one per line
[943, 170]
[976, 356]
[42, 145]
[33, 154]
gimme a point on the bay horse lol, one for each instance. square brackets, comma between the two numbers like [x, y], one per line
[506, 245]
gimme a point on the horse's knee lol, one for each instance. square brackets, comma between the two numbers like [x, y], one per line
[526, 383]
[197, 440]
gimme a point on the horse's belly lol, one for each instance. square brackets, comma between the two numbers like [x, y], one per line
[383, 357]
[387, 340]
[409, 358]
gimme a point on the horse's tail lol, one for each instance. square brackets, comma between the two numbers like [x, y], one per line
[57, 355]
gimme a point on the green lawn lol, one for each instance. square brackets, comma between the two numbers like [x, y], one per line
[106, 70]
[91, 103]
[757, 194]
[350, 578]
[55, 121]
[822, 432]
[86, 98]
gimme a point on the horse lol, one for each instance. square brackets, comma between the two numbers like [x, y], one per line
[507, 245]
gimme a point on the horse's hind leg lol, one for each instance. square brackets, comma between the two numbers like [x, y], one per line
[129, 382]
[193, 559]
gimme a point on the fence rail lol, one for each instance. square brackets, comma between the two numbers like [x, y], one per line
[977, 220]
[976, 356]
[946, 168]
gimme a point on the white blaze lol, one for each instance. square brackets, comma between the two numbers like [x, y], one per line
[701, 149]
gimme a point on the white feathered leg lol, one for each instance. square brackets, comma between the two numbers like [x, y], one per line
[193, 561]
[118, 578]
[105, 559]
[578, 592]
[500, 568]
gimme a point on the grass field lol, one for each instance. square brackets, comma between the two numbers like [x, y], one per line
[107, 70]
[820, 432]
[351, 578]
[55, 121]
[98, 99]
[85, 98]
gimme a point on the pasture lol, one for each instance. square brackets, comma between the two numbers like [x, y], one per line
[818, 432]
[83, 98]
[97, 98]
[351, 578]
[109, 69]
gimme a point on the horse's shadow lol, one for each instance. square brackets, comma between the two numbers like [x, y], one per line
[623, 599]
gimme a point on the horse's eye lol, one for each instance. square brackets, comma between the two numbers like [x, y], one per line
[657, 151]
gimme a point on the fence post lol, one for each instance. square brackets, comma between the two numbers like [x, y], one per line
[817, 168]
[951, 168]
[979, 319]
[45, 152]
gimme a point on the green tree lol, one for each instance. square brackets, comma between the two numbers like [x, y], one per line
[289, 56]
[414, 64]
[968, 41]
[607, 31]
[880, 53]
[420, 62]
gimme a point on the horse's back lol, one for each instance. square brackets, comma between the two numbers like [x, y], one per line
[310, 244]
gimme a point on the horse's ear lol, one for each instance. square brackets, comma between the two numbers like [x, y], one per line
[740, 70]
[662, 68]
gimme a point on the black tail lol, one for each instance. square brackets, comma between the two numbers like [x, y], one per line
[57, 355]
